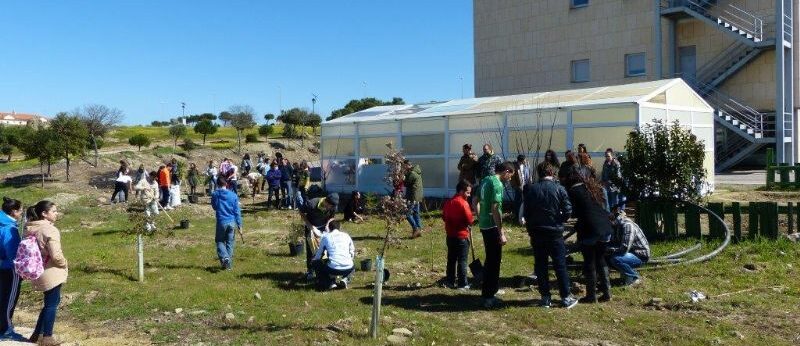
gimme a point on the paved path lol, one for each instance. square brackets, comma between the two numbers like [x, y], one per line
[754, 177]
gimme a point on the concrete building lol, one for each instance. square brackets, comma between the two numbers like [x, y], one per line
[737, 54]
[19, 119]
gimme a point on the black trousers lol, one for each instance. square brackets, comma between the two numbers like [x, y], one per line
[120, 187]
[491, 269]
[274, 192]
[457, 250]
[595, 269]
[9, 295]
[550, 248]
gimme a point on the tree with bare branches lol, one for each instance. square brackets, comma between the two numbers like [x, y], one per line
[99, 119]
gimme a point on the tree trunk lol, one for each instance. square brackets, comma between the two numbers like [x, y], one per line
[49, 164]
[94, 146]
[41, 171]
[239, 140]
[140, 148]
[204, 139]
[67, 157]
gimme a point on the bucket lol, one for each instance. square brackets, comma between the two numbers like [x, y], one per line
[366, 265]
[296, 249]
[184, 224]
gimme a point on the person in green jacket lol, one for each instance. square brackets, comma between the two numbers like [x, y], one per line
[194, 178]
[414, 196]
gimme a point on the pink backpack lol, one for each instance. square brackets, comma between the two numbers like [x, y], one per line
[29, 264]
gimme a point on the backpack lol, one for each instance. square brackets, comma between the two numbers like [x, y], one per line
[28, 264]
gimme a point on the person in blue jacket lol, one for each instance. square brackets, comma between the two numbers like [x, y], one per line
[9, 280]
[229, 219]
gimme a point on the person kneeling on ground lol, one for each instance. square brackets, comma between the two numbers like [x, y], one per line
[457, 216]
[316, 213]
[229, 218]
[545, 208]
[339, 248]
[629, 249]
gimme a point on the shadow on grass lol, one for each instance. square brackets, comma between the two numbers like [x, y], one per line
[91, 269]
[112, 231]
[367, 237]
[25, 180]
[210, 269]
[289, 281]
[442, 302]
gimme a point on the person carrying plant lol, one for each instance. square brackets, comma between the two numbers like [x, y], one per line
[274, 181]
[414, 196]
[490, 220]
[339, 248]
[457, 216]
[545, 208]
[10, 282]
[229, 219]
[316, 213]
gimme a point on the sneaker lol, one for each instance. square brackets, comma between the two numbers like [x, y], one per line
[345, 282]
[569, 302]
[11, 335]
[226, 263]
[633, 283]
[333, 286]
[416, 234]
[492, 302]
[532, 276]
[464, 288]
[544, 302]
[310, 276]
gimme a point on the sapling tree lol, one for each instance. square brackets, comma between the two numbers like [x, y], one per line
[142, 223]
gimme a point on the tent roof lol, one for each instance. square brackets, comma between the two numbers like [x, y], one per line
[645, 92]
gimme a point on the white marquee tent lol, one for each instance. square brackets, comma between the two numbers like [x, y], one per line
[432, 134]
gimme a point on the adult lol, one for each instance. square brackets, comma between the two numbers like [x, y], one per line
[247, 164]
[141, 174]
[354, 208]
[273, 178]
[582, 149]
[10, 282]
[211, 176]
[550, 158]
[457, 216]
[229, 219]
[175, 171]
[233, 178]
[629, 249]
[487, 162]
[122, 187]
[610, 177]
[521, 177]
[295, 181]
[303, 183]
[594, 232]
[286, 183]
[163, 186]
[414, 196]
[41, 219]
[255, 180]
[490, 221]
[467, 165]
[339, 248]
[545, 208]
[585, 166]
[193, 176]
[316, 213]
[570, 161]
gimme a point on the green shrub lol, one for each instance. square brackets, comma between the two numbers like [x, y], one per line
[251, 138]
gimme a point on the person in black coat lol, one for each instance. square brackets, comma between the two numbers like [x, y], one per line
[354, 208]
[594, 232]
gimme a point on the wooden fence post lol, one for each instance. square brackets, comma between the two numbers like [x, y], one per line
[797, 175]
[790, 217]
[692, 216]
[752, 223]
[770, 214]
[737, 222]
[670, 213]
[715, 229]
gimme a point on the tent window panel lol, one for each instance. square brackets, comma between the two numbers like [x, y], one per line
[375, 146]
[424, 144]
[432, 171]
[337, 147]
[527, 141]
[367, 129]
[683, 117]
[410, 126]
[604, 115]
[452, 172]
[647, 115]
[477, 139]
[476, 123]
[546, 117]
[339, 172]
[336, 131]
[370, 178]
[597, 139]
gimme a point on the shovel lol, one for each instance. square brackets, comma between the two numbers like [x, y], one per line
[475, 267]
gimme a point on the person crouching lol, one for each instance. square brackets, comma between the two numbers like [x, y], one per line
[629, 249]
[339, 248]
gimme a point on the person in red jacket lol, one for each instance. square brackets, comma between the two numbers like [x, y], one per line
[163, 185]
[458, 217]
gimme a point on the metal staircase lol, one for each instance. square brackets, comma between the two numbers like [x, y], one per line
[727, 63]
[736, 22]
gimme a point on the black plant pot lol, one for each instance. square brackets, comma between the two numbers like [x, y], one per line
[184, 224]
[296, 249]
[366, 265]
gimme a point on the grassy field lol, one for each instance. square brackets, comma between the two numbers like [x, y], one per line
[122, 133]
[181, 273]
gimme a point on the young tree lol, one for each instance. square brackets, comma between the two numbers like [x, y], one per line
[266, 131]
[205, 127]
[313, 120]
[269, 117]
[71, 134]
[225, 117]
[241, 119]
[40, 144]
[139, 140]
[176, 131]
[99, 119]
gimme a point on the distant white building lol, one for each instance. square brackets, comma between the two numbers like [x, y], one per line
[19, 119]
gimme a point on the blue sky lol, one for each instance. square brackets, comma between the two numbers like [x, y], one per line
[145, 57]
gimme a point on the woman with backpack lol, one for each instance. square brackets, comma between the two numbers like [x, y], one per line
[40, 226]
[9, 280]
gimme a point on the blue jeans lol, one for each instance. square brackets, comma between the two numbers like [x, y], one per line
[413, 216]
[457, 250]
[615, 198]
[225, 237]
[625, 265]
[555, 250]
[47, 318]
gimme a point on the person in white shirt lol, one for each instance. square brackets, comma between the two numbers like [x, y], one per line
[233, 179]
[340, 250]
[122, 187]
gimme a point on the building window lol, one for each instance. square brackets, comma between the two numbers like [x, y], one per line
[635, 65]
[581, 70]
[578, 3]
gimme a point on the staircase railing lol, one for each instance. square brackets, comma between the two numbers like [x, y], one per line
[733, 145]
[722, 61]
[727, 104]
[729, 13]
